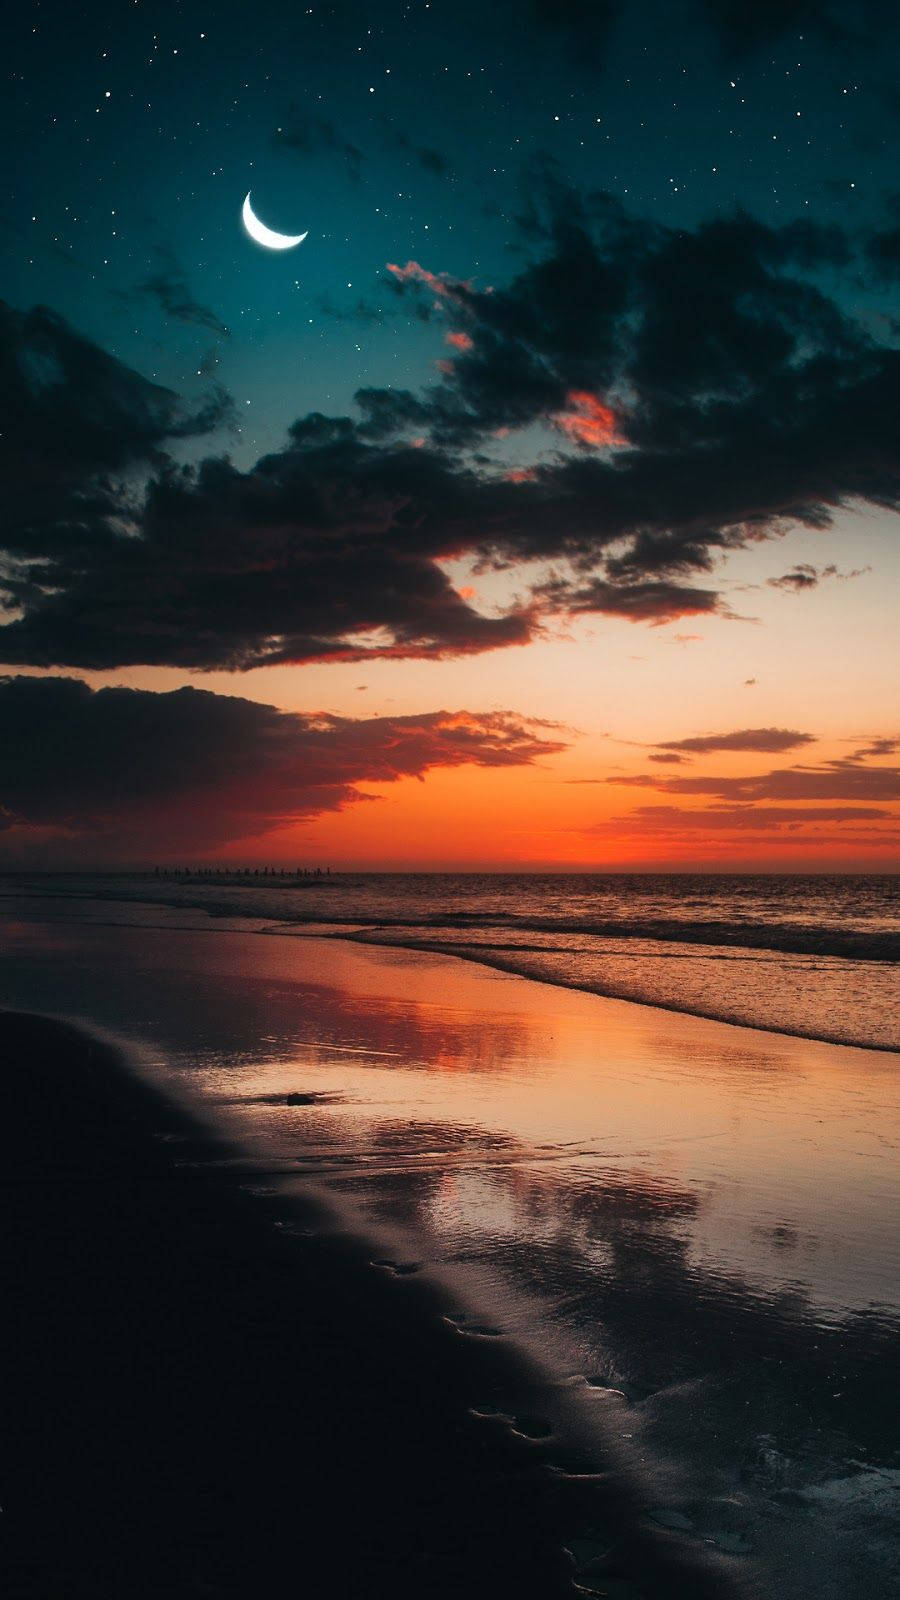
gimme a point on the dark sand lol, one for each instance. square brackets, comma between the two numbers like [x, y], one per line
[197, 1402]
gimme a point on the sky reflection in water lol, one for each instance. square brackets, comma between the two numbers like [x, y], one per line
[698, 1215]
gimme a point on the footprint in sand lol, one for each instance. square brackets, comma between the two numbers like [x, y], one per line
[594, 1560]
[531, 1427]
[606, 1588]
[524, 1426]
[474, 1330]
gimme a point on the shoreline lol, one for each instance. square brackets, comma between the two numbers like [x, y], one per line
[210, 1391]
[786, 940]
[360, 934]
[496, 964]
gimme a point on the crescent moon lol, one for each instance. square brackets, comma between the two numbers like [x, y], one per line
[267, 236]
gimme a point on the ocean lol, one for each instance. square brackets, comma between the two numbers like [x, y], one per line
[667, 1171]
[814, 956]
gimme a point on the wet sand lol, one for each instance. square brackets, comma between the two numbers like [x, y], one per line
[204, 1393]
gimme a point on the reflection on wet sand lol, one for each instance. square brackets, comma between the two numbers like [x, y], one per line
[698, 1217]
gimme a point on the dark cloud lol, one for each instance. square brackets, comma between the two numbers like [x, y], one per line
[804, 576]
[745, 27]
[324, 551]
[310, 135]
[208, 363]
[883, 255]
[429, 158]
[835, 780]
[362, 311]
[654, 602]
[877, 747]
[737, 29]
[751, 397]
[770, 740]
[170, 289]
[668, 758]
[76, 426]
[756, 819]
[699, 390]
[586, 25]
[136, 771]
[857, 758]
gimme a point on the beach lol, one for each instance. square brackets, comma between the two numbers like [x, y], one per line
[450, 801]
[387, 1266]
[206, 1392]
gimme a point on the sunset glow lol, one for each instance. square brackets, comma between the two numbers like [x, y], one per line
[493, 531]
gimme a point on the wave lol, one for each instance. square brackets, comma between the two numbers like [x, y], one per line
[805, 1002]
[787, 938]
[802, 957]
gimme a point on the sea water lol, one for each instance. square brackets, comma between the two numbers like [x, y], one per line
[809, 955]
[691, 1225]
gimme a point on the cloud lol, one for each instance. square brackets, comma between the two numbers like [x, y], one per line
[170, 288]
[770, 740]
[362, 311]
[697, 390]
[746, 395]
[588, 421]
[745, 29]
[736, 28]
[586, 25]
[307, 134]
[654, 602]
[440, 283]
[877, 747]
[753, 818]
[76, 428]
[804, 576]
[882, 253]
[429, 158]
[326, 550]
[835, 780]
[874, 747]
[134, 771]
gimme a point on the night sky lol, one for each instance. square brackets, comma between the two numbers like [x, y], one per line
[558, 465]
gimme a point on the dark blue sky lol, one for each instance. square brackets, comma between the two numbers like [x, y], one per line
[416, 131]
[576, 412]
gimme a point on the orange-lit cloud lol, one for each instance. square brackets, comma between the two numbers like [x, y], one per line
[441, 284]
[833, 780]
[680, 819]
[459, 341]
[141, 774]
[589, 421]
